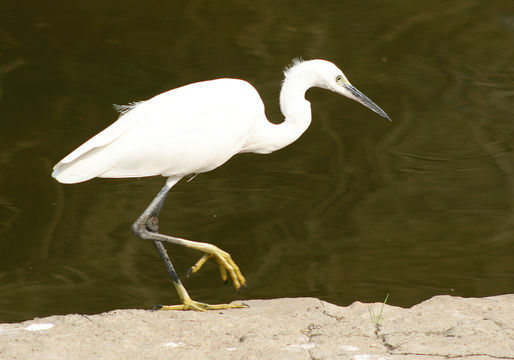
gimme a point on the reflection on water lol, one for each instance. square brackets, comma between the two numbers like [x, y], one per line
[357, 208]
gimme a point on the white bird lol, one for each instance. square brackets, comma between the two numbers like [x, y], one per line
[194, 129]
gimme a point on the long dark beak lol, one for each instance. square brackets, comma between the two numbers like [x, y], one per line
[351, 92]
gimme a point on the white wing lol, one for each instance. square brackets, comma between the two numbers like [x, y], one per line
[187, 130]
[108, 135]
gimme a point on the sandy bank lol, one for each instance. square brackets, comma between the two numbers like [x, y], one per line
[302, 328]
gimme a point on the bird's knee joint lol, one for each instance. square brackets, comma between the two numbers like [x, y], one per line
[138, 229]
[142, 229]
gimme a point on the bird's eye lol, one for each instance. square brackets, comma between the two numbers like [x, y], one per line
[339, 78]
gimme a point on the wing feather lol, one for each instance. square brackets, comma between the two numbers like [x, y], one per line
[108, 135]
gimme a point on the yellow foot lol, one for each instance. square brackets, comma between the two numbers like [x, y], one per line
[225, 262]
[198, 306]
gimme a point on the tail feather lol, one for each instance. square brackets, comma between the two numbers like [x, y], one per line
[83, 168]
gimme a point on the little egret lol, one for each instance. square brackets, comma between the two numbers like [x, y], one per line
[194, 129]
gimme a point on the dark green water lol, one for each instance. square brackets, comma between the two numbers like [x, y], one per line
[357, 208]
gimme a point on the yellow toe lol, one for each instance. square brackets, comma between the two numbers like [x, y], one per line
[225, 262]
[199, 306]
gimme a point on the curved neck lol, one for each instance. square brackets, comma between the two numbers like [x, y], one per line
[296, 109]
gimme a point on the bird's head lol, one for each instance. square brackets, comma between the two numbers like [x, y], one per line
[326, 75]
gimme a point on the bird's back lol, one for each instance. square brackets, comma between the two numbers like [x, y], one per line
[191, 129]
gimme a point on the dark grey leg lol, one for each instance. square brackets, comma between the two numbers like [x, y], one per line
[147, 226]
[149, 222]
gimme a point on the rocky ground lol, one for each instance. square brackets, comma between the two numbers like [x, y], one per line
[443, 327]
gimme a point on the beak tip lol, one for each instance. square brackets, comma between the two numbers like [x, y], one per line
[354, 94]
[384, 115]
